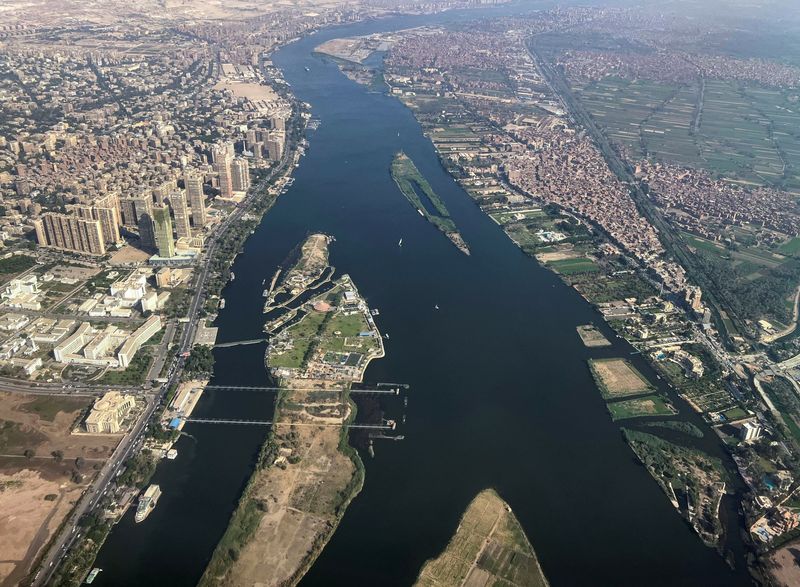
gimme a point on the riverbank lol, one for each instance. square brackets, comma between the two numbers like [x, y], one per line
[307, 473]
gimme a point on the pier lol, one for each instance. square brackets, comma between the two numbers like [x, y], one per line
[389, 426]
[368, 391]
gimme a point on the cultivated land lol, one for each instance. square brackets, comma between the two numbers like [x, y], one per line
[592, 337]
[427, 202]
[488, 548]
[43, 471]
[617, 378]
[783, 565]
[307, 473]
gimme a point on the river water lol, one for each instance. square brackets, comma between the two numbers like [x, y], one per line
[500, 397]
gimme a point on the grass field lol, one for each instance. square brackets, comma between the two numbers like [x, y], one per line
[489, 547]
[574, 266]
[617, 378]
[650, 405]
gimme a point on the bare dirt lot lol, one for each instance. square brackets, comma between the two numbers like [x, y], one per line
[785, 565]
[592, 337]
[617, 378]
[293, 503]
[43, 471]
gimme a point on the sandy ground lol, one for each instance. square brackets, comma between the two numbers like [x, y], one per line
[129, 254]
[618, 378]
[27, 519]
[786, 561]
[301, 499]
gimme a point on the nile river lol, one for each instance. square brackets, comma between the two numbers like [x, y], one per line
[500, 392]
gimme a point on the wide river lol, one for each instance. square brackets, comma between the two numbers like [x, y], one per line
[500, 397]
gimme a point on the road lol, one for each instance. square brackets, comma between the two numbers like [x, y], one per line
[133, 440]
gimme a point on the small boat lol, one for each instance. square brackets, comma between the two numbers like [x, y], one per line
[386, 336]
[308, 68]
[92, 575]
[400, 243]
[420, 212]
[375, 312]
[436, 307]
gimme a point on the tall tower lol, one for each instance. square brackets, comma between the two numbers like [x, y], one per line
[223, 155]
[240, 175]
[196, 198]
[177, 201]
[162, 224]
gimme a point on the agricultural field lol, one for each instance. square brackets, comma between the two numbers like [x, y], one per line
[489, 547]
[746, 133]
[649, 405]
[617, 378]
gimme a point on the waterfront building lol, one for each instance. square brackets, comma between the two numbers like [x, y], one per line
[70, 233]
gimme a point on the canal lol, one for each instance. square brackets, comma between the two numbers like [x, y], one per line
[501, 395]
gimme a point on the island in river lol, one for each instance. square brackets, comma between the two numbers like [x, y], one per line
[420, 194]
[489, 547]
[307, 473]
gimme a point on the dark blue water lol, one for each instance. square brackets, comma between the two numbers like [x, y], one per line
[501, 394]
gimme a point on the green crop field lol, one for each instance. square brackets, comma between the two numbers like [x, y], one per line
[747, 133]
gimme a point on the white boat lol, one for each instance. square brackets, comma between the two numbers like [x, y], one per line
[147, 502]
[436, 307]
[92, 575]
[400, 243]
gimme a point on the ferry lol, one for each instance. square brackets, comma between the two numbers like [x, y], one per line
[172, 454]
[233, 276]
[222, 303]
[147, 502]
[92, 575]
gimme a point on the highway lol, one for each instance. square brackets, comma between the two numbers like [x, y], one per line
[133, 440]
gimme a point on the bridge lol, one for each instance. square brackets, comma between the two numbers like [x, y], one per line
[388, 426]
[223, 345]
[375, 391]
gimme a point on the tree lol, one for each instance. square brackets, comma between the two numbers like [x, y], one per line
[29, 453]
[57, 455]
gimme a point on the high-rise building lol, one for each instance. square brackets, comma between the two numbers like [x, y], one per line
[70, 233]
[278, 123]
[240, 175]
[196, 198]
[108, 217]
[274, 144]
[223, 155]
[177, 201]
[162, 225]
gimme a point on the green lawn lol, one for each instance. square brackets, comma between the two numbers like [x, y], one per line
[574, 266]
[649, 405]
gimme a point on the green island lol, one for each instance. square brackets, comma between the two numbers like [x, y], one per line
[307, 473]
[415, 187]
[649, 405]
[489, 547]
[693, 481]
